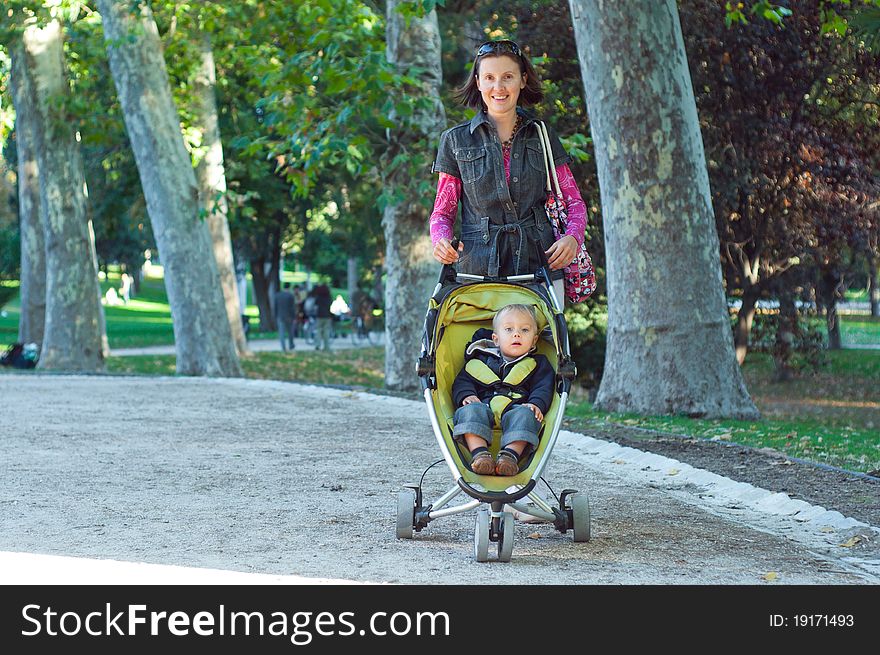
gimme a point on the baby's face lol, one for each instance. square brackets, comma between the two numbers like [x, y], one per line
[516, 334]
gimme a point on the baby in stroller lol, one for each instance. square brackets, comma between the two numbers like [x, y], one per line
[505, 383]
[464, 313]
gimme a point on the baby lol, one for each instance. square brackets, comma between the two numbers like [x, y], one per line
[503, 383]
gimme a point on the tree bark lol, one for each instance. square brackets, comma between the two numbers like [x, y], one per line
[669, 343]
[874, 284]
[263, 294]
[202, 333]
[212, 187]
[744, 319]
[32, 290]
[412, 271]
[73, 333]
[352, 277]
[828, 285]
[786, 329]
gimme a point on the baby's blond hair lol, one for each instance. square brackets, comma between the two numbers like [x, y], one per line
[517, 308]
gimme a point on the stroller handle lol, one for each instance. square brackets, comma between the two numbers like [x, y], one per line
[448, 273]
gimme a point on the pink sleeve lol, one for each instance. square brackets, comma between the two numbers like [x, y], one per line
[577, 210]
[445, 207]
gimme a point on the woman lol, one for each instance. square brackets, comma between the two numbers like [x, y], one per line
[494, 165]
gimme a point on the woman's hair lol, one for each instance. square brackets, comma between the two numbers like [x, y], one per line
[468, 93]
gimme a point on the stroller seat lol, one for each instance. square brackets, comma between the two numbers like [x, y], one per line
[467, 311]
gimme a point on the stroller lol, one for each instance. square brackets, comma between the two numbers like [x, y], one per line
[460, 305]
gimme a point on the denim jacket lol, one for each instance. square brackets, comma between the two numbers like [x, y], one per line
[504, 228]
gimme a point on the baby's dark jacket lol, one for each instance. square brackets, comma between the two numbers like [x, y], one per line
[538, 384]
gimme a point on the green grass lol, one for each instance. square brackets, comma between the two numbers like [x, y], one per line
[832, 416]
[144, 321]
[363, 367]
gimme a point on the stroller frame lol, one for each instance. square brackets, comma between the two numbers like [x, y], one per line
[493, 523]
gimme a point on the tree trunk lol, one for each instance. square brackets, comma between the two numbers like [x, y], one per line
[669, 343]
[873, 284]
[744, 319]
[827, 290]
[786, 328]
[202, 333]
[263, 294]
[412, 271]
[212, 187]
[352, 278]
[73, 335]
[32, 291]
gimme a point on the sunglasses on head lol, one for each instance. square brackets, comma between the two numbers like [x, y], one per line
[496, 47]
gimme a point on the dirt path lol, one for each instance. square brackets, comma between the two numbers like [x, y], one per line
[298, 484]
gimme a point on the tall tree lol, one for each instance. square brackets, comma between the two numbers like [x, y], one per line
[202, 332]
[73, 337]
[669, 348]
[32, 290]
[789, 133]
[211, 177]
[413, 45]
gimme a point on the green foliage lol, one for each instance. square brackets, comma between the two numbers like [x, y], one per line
[865, 23]
[587, 327]
[8, 290]
[805, 352]
[10, 252]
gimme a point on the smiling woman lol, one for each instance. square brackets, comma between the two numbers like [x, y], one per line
[493, 165]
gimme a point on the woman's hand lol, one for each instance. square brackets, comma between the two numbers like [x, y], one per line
[446, 254]
[537, 412]
[561, 253]
[469, 400]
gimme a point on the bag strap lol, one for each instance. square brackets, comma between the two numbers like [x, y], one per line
[540, 127]
[548, 159]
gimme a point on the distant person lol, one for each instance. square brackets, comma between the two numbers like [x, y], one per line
[300, 294]
[112, 297]
[324, 316]
[339, 307]
[125, 287]
[285, 316]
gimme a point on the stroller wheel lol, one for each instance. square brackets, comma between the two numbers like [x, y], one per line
[406, 504]
[481, 535]
[580, 517]
[505, 542]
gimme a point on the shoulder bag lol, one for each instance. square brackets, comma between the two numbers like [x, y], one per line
[580, 276]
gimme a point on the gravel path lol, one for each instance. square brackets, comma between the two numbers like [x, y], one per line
[194, 479]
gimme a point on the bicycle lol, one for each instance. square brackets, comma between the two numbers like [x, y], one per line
[360, 332]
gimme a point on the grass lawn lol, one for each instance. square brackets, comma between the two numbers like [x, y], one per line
[832, 416]
[144, 321]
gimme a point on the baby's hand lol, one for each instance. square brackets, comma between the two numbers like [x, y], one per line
[537, 412]
[469, 400]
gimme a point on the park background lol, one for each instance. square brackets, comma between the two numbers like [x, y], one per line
[309, 127]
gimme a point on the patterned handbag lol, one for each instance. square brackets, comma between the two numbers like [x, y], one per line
[580, 276]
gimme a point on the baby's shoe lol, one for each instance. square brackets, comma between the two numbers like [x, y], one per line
[482, 463]
[507, 463]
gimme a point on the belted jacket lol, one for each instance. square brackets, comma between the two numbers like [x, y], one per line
[502, 225]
